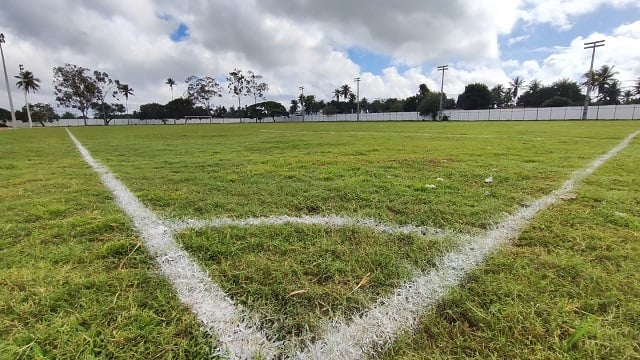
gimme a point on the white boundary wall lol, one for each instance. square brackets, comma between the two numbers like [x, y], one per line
[605, 112]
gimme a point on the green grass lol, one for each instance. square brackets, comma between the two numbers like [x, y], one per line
[75, 283]
[566, 289]
[376, 170]
[299, 277]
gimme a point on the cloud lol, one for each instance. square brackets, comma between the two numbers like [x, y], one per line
[560, 13]
[298, 43]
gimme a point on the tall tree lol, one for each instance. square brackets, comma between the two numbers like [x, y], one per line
[337, 93]
[294, 106]
[28, 83]
[75, 88]
[423, 90]
[601, 79]
[43, 113]
[612, 93]
[171, 84]
[126, 91]
[498, 96]
[568, 89]
[237, 84]
[200, 90]
[430, 105]
[637, 87]
[106, 88]
[179, 108]
[108, 111]
[345, 90]
[255, 86]
[516, 84]
[534, 85]
[475, 96]
[627, 96]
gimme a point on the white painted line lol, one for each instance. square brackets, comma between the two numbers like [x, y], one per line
[218, 313]
[363, 335]
[377, 328]
[329, 220]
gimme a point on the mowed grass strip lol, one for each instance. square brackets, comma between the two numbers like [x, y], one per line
[74, 280]
[299, 278]
[566, 289]
[374, 170]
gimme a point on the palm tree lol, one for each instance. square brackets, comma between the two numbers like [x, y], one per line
[294, 106]
[516, 83]
[627, 95]
[27, 83]
[601, 79]
[637, 87]
[345, 90]
[125, 90]
[534, 85]
[171, 82]
[423, 90]
[612, 93]
[337, 94]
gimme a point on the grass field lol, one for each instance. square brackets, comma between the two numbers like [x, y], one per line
[76, 281]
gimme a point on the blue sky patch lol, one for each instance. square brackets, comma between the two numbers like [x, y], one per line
[536, 41]
[181, 33]
[369, 61]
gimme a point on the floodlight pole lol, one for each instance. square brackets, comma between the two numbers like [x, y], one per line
[442, 68]
[590, 45]
[6, 79]
[302, 101]
[357, 80]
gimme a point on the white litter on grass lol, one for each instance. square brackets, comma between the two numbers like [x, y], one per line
[356, 339]
[219, 315]
[430, 186]
[488, 180]
[440, 179]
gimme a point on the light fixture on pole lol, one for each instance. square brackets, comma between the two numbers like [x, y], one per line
[590, 45]
[302, 101]
[6, 79]
[442, 68]
[357, 80]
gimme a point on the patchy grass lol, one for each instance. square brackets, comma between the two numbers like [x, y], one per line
[297, 278]
[376, 170]
[75, 281]
[566, 289]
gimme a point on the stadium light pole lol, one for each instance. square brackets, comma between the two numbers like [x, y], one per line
[357, 80]
[302, 101]
[6, 79]
[442, 68]
[590, 45]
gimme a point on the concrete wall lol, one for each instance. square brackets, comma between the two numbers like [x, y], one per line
[609, 112]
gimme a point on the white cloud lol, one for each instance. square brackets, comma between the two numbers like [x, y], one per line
[298, 43]
[560, 13]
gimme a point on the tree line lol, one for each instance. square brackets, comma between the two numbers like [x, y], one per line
[80, 88]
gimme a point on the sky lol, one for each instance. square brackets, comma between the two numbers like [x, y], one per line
[393, 46]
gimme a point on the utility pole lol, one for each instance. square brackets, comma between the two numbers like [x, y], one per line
[357, 80]
[590, 45]
[6, 78]
[442, 68]
[302, 101]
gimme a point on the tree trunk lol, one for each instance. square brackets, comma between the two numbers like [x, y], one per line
[26, 102]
